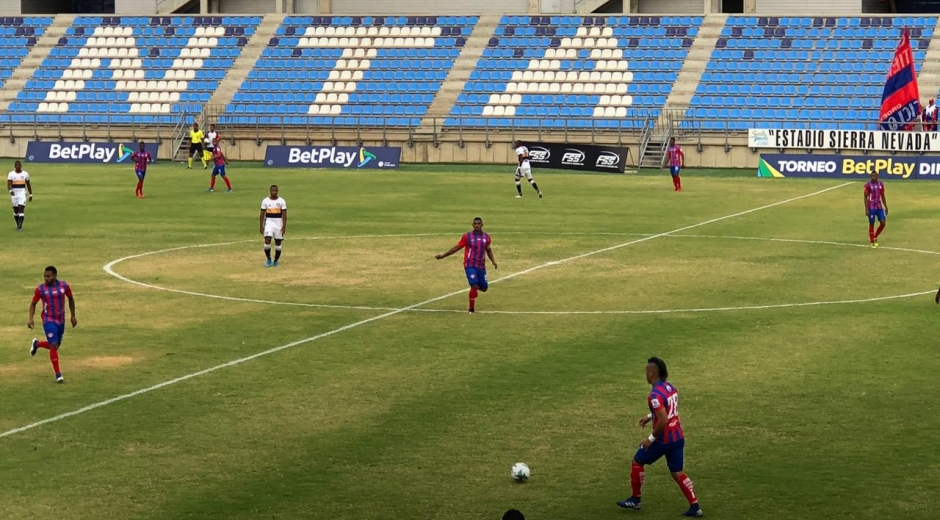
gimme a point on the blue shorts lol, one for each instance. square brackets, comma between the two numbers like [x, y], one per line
[54, 332]
[477, 276]
[674, 170]
[218, 170]
[875, 213]
[672, 451]
[140, 174]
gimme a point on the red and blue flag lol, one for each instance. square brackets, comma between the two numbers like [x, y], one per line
[900, 102]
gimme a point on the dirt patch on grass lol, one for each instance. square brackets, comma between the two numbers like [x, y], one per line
[104, 362]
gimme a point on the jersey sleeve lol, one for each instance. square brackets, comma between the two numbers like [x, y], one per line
[36, 295]
[656, 402]
[68, 290]
[867, 190]
[263, 205]
[10, 176]
[463, 241]
[283, 204]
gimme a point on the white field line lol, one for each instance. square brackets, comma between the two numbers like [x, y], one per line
[384, 315]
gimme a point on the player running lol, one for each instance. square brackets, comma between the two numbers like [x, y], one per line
[219, 168]
[524, 169]
[20, 190]
[666, 440]
[476, 245]
[195, 147]
[141, 158]
[53, 293]
[273, 224]
[676, 159]
[876, 206]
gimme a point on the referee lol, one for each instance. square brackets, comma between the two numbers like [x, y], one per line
[195, 147]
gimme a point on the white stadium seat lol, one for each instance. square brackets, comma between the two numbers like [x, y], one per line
[488, 110]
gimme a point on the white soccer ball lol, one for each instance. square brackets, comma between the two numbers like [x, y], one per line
[520, 472]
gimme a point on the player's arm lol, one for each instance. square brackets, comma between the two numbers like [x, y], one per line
[884, 200]
[937, 298]
[865, 200]
[261, 224]
[10, 186]
[681, 158]
[661, 421]
[29, 190]
[489, 253]
[68, 294]
[32, 309]
[460, 245]
[284, 222]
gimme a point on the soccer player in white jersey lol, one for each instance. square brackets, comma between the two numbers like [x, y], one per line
[273, 224]
[524, 169]
[211, 137]
[20, 190]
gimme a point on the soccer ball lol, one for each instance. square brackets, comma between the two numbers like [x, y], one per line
[520, 472]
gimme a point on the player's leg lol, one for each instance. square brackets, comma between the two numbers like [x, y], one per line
[482, 282]
[18, 216]
[675, 461]
[189, 160]
[225, 178]
[528, 176]
[882, 220]
[205, 161]
[140, 183]
[871, 227]
[277, 249]
[518, 183]
[212, 180]
[472, 280]
[642, 458]
[267, 247]
[53, 338]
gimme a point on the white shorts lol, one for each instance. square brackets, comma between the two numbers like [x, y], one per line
[18, 198]
[272, 228]
[524, 171]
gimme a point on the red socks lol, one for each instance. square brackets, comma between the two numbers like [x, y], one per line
[677, 182]
[140, 189]
[54, 357]
[685, 484]
[43, 344]
[871, 233]
[881, 227]
[473, 298]
[212, 183]
[637, 475]
[227, 183]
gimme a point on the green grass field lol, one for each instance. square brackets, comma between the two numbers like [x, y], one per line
[374, 412]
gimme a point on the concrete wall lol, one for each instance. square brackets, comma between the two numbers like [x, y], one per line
[134, 7]
[671, 6]
[810, 7]
[10, 7]
[246, 6]
[428, 7]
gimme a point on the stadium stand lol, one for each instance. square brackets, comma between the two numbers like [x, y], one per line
[133, 69]
[572, 71]
[17, 36]
[807, 72]
[342, 70]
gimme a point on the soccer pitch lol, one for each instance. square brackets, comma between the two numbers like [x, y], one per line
[806, 362]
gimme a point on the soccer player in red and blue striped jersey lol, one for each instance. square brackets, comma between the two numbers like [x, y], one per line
[876, 206]
[141, 158]
[476, 246]
[53, 293]
[666, 440]
[676, 160]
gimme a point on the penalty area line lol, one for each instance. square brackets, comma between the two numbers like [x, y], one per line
[384, 315]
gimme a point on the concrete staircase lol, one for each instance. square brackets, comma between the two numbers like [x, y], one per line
[34, 59]
[458, 75]
[928, 80]
[245, 62]
[693, 67]
[589, 6]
